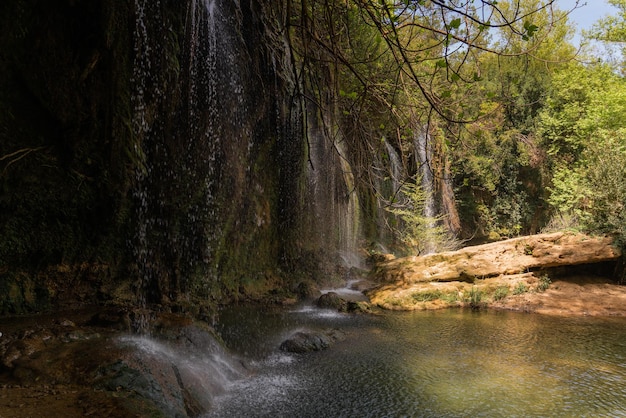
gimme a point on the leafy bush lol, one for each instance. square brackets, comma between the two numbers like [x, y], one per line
[501, 292]
[593, 193]
[520, 288]
[544, 283]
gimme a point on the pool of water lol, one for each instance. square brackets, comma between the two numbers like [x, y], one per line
[451, 363]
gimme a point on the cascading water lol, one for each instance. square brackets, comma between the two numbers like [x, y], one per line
[141, 127]
[202, 105]
[185, 375]
[334, 197]
[396, 171]
[423, 154]
[193, 124]
[351, 215]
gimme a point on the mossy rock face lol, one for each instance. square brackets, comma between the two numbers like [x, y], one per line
[21, 293]
[118, 151]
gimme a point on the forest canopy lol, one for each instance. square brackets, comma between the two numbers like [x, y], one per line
[525, 131]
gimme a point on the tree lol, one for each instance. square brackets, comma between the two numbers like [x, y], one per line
[583, 128]
[452, 72]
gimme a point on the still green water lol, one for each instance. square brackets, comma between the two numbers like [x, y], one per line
[450, 363]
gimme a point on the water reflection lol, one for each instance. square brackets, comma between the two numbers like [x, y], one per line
[431, 364]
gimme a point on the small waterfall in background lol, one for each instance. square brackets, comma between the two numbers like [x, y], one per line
[389, 174]
[424, 154]
[351, 216]
[392, 192]
[332, 186]
[396, 171]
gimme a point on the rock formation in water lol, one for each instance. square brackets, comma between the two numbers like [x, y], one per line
[306, 341]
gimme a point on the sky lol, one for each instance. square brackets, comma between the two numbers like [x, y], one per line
[588, 14]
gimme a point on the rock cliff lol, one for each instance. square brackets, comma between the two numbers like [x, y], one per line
[518, 264]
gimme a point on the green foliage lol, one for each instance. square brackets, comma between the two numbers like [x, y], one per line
[584, 128]
[520, 288]
[611, 28]
[500, 293]
[427, 296]
[475, 298]
[544, 283]
[418, 232]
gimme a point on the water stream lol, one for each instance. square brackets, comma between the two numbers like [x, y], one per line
[428, 364]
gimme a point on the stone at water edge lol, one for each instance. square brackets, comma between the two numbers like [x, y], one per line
[331, 300]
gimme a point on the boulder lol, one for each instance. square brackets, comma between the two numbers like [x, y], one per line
[358, 307]
[306, 341]
[332, 300]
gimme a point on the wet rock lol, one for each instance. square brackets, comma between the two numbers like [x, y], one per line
[332, 300]
[66, 323]
[358, 307]
[306, 341]
[307, 290]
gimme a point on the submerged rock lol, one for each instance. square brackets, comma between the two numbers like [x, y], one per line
[306, 341]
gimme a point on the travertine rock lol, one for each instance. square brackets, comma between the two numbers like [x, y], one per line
[510, 257]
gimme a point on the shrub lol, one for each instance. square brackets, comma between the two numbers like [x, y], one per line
[501, 292]
[544, 283]
[520, 288]
[475, 298]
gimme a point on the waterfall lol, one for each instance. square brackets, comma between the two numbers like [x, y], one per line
[396, 171]
[203, 108]
[424, 153]
[334, 198]
[351, 214]
[141, 127]
[224, 169]
[178, 148]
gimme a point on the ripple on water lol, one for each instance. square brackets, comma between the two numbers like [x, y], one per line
[445, 364]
